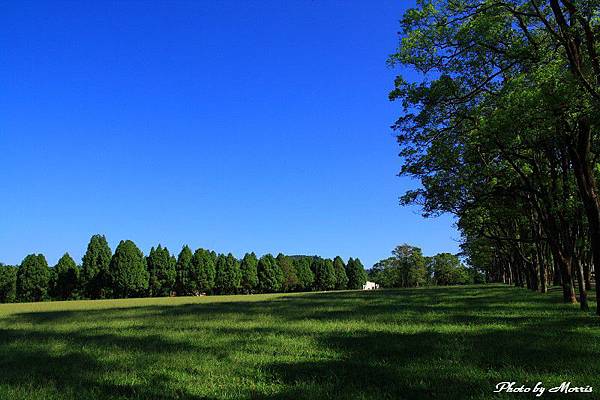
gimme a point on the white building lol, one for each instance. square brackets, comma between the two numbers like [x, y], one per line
[370, 286]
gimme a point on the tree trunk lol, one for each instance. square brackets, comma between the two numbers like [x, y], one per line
[587, 275]
[564, 265]
[582, 292]
[586, 182]
[543, 286]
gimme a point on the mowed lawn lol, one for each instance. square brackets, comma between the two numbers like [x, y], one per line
[438, 343]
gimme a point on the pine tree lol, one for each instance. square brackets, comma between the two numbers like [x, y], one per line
[183, 267]
[290, 279]
[33, 278]
[128, 273]
[94, 268]
[270, 276]
[325, 277]
[357, 276]
[202, 272]
[248, 267]
[306, 278]
[161, 269]
[228, 274]
[340, 272]
[66, 278]
[8, 284]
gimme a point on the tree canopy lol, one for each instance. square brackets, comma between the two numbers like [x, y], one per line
[501, 130]
[33, 278]
[94, 267]
[161, 270]
[127, 271]
[67, 278]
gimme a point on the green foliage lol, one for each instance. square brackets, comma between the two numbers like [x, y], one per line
[8, 284]
[340, 272]
[306, 278]
[385, 273]
[66, 280]
[228, 274]
[201, 278]
[411, 266]
[357, 276]
[33, 278]
[183, 285]
[130, 274]
[161, 270]
[95, 277]
[448, 270]
[500, 126]
[249, 270]
[127, 271]
[270, 276]
[325, 274]
[290, 279]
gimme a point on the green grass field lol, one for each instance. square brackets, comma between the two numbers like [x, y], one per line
[439, 343]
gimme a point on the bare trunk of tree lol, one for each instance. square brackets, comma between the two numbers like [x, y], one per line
[588, 190]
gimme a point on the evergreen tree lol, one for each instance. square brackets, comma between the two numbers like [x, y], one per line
[33, 278]
[228, 274]
[290, 279]
[183, 267]
[306, 278]
[340, 272]
[202, 272]
[94, 268]
[162, 272]
[235, 273]
[248, 267]
[128, 272]
[8, 284]
[270, 276]
[325, 276]
[66, 278]
[356, 274]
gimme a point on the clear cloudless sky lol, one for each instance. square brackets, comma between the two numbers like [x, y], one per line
[231, 125]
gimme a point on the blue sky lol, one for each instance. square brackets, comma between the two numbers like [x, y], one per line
[236, 126]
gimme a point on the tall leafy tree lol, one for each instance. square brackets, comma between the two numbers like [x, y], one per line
[290, 279]
[128, 272]
[325, 275]
[94, 268]
[228, 274]
[249, 270]
[448, 270]
[411, 266]
[306, 278]
[502, 130]
[33, 278]
[340, 272]
[66, 280]
[161, 270]
[8, 284]
[355, 271]
[270, 276]
[202, 272]
[183, 286]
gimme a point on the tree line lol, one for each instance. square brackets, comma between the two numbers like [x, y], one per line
[128, 273]
[408, 267]
[501, 127]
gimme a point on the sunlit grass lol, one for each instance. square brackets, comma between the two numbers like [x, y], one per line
[442, 343]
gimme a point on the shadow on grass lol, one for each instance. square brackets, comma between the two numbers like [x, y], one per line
[439, 343]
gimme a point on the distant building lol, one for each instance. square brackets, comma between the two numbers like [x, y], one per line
[370, 286]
